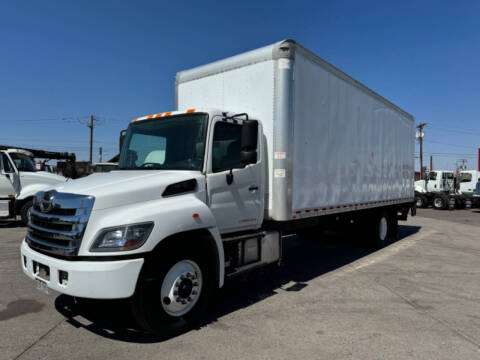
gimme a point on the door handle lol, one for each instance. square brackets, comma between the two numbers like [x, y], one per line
[253, 188]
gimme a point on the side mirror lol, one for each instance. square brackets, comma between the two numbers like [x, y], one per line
[121, 139]
[249, 142]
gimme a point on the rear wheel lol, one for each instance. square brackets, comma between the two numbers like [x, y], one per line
[173, 291]
[380, 229]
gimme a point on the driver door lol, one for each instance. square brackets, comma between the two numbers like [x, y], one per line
[432, 183]
[237, 205]
[9, 178]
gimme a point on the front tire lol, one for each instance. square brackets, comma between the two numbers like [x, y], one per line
[173, 290]
[25, 212]
[440, 202]
[421, 201]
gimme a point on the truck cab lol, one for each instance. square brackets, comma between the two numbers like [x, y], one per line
[435, 189]
[19, 181]
[468, 180]
[191, 180]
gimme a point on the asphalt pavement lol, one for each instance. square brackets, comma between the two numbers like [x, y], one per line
[332, 298]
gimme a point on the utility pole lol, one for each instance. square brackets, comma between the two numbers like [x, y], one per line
[90, 122]
[91, 136]
[100, 150]
[431, 162]
[420, 135]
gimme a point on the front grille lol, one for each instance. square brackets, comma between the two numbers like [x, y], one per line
[58, 221]
[58, 211]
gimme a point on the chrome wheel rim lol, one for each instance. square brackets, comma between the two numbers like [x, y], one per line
[181, 288]
[438, 203]
[29, 214]
[419, 202]
[383, 228]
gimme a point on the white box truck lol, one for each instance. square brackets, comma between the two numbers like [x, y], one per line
[263, 144]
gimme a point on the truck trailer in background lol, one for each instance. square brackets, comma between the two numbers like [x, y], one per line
[268, 143]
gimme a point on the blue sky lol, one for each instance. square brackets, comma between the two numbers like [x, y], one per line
[64, 60]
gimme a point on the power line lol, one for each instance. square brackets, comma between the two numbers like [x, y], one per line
[63, 140]
[447, 144]
[53, 119]
[464, 132]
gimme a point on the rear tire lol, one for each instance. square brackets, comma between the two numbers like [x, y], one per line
[173, 290]
[25, 212]
[380, 229]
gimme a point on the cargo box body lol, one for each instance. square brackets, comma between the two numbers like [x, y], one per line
[333, 144]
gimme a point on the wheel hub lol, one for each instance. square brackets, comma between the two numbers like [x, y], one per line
[383, 228]
[185, 288]
[181, 288]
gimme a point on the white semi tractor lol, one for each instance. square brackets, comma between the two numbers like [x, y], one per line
[444, 189]
[261, 145]
[20, 181]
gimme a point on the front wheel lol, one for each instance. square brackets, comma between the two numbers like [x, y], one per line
[440, 202]
[421, 201]
[25, 212]
[172, 293]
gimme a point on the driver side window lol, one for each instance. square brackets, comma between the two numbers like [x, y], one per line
[5, 164]
[227, 146]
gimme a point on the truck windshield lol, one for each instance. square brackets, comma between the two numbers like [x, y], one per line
[173, 143]
[23, 162]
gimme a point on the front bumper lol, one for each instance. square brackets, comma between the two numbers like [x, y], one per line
[88, 279]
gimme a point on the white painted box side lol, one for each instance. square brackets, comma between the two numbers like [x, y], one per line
[348, 146]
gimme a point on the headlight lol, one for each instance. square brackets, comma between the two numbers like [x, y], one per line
[122, 238]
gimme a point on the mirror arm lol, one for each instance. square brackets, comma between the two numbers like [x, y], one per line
[230, 177]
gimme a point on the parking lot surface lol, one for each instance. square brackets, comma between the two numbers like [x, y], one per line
[333, 298]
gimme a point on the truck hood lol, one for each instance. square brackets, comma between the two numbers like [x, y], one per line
[420, 186]
[118, 188]
[47, 177]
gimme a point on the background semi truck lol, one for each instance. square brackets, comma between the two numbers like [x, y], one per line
[263, 144]
[443, 189]
[20, 179]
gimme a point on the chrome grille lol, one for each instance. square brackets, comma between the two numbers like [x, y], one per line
[58, 221]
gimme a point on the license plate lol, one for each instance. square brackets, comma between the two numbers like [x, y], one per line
[42, 286]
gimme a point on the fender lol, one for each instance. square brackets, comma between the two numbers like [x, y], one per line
[420, 189]
[171, 216]
[31, 190]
